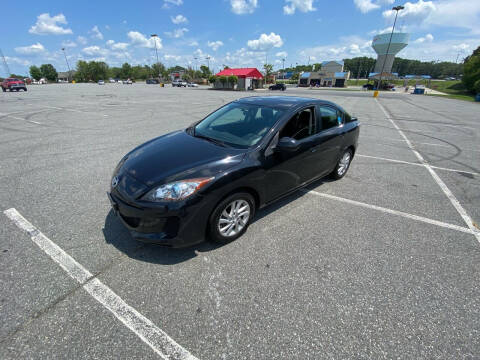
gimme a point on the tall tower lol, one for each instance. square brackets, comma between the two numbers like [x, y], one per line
[380, 45]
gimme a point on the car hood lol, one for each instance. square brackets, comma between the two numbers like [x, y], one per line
[177, 156]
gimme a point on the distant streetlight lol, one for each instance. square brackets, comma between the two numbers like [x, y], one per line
[68, 66]
[196, 66]
[397, 9]
[154, 36]
[208, 62]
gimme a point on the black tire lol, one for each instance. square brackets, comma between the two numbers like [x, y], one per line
[213, 225]
[24, 89]
[339, 171]
[4, 90]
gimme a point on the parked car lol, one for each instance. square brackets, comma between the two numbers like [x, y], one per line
[153, 81]
[179, 83]
[111, 80]
[101, 82]
[277, 86]
[191, 84]
[13, 84]
[368, 86]
[127, 82]
[210, 178]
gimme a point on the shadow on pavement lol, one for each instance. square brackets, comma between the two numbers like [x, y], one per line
[116, 233]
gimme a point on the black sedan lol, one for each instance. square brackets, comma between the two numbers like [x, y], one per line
[209, 179]
[277, 86]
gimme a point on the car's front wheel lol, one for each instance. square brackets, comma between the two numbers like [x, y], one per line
[231, 217]
[342, 165]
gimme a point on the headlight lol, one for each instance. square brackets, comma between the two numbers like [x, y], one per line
[178, 190]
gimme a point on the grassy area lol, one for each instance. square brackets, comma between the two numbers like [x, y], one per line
[454, 89]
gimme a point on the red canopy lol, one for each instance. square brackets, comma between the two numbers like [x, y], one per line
[242, 73]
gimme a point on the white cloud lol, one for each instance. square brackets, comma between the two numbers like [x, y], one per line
[46, 25]
[426, 38]
[366, 5]
[241, 7]
[346, 47]
[282, 54]
[117, 46]
[214, 45]
[179, 19]
[265, 42]
[177, 33]
[193, 43]
[140, 40]
[419, 10]
[461, 46]
[69, 44]
[300, 5]
[30, 50]
[96, 34]
[15, 60]
[168, 3]
[94, 51]
[82, 40]
[107, 27]
[455, 13]
[172, 57]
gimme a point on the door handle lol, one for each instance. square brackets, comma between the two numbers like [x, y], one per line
[313, 150]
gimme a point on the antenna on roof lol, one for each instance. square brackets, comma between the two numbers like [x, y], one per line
[5, 65]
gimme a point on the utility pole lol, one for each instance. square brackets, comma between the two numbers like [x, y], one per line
[397, 9]
[5, 65]
[155, 36]
[283, 67]
[68, 65]
[196, 66]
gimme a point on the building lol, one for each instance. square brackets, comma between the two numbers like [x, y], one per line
[248, 79]
[330, 74]
[386, 53]
[66, 76]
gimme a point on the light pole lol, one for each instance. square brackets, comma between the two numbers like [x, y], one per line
[68, 66]
[208, 62]
[283, 67]
[397, 9]
[196, 66]
[154, 36]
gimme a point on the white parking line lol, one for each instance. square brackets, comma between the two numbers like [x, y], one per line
[456, 204]
[390, 211]
[420, 143]
[19, 118]
[417, 164]
[146, 330]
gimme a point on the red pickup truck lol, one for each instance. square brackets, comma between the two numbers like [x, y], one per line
[13, 84]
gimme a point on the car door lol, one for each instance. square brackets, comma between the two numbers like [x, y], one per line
[328, 140]
[287, 171]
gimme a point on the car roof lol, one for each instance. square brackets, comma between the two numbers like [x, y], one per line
[283, 102]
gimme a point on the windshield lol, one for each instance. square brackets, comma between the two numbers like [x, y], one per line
[238, 125]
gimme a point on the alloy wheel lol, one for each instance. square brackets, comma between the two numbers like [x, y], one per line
[234, 218]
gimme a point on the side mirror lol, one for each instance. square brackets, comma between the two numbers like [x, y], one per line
[287, 144]
[354, 119]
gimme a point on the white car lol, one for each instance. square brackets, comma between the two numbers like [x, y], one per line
[192, 85]
[179, 83]
[127, 82]
[101, 82]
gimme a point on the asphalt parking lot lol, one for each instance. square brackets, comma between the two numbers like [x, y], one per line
[381, 264]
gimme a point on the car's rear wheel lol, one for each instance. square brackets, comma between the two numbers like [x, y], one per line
[231, 217]
[4, 90]
[343, 165]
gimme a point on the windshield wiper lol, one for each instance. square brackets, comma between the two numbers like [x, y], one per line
[215, 141]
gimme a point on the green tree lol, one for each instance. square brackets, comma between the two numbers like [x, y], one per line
[471, 71]
[82, 73]
[268, 68]
[126, 71]
[205, 71]
[35, 72]
[232, 79]
[49, 72]
[212, 79]
[159, 68]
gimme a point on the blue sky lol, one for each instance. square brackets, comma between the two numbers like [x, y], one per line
[238, 33]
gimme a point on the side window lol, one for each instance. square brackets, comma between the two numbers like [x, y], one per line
[300, 126]
[329, 117]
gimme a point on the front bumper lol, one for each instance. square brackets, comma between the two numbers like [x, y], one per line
[175, 224]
